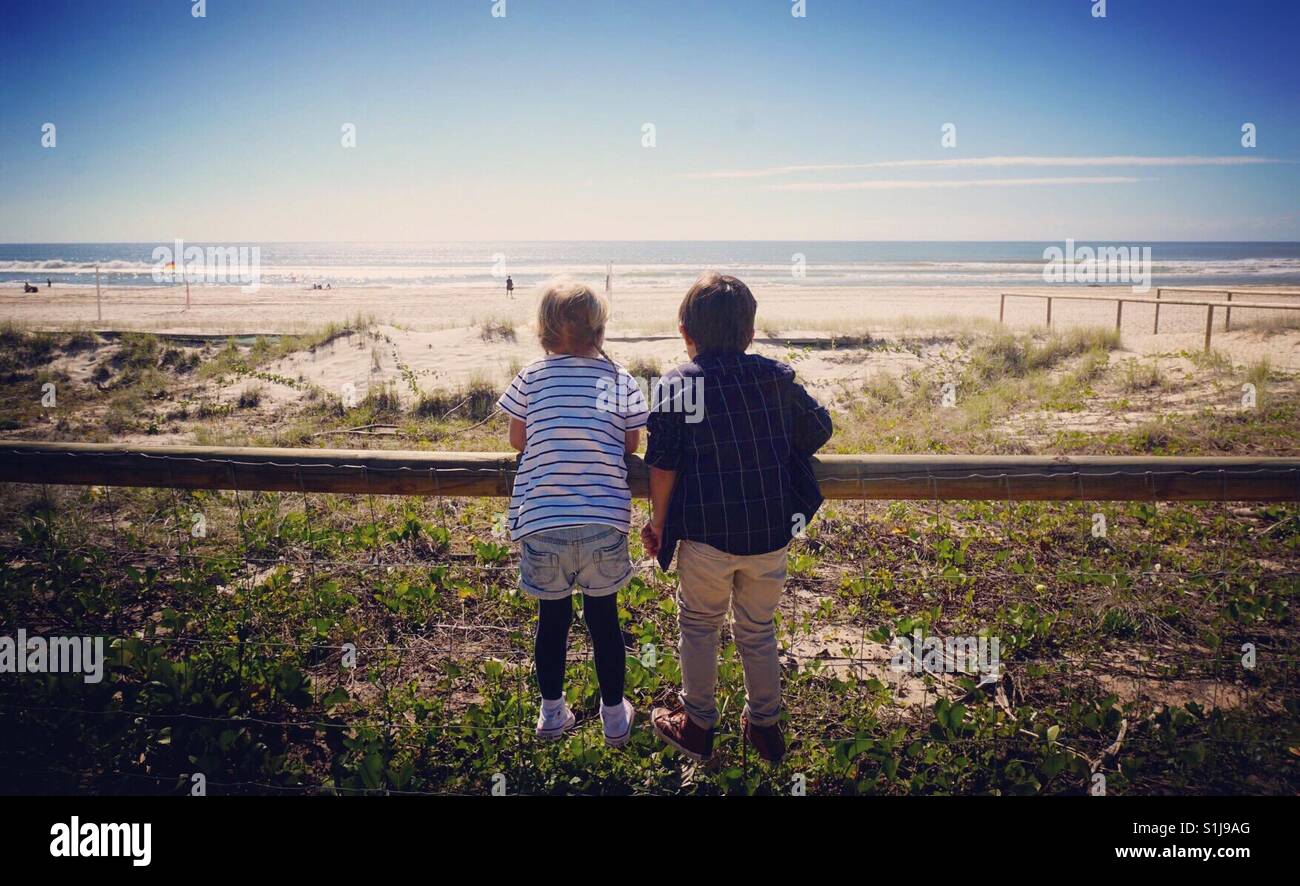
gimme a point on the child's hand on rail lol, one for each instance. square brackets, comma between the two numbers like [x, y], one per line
[650, 539]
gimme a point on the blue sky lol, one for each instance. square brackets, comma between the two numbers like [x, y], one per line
[228, 127]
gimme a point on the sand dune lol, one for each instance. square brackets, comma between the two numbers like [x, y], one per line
[434, 337]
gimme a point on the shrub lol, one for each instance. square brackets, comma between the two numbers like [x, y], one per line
[644, 367]
[1139, 376]
[475, 401]
[250, 397]
[883, 388]
[492, 330]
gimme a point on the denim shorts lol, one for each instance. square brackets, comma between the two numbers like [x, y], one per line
[592, 557]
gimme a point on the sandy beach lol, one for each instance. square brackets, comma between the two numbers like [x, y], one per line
[645, 309]
[435, 337]
[639, 310]
[417, 340]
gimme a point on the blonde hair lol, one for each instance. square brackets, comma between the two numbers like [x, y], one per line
[571, 318]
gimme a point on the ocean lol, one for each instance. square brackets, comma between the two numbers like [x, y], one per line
[764, 263]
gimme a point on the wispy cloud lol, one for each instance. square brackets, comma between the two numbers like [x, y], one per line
[889, 184]
[995, 162]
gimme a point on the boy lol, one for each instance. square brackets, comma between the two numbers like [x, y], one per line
[731, 484]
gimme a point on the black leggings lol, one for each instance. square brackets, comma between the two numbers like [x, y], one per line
[601, 615]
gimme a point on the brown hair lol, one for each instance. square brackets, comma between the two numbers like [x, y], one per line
[571, 318]
[718, 313]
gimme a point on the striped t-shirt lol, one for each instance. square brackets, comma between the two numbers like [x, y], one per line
[576, 415]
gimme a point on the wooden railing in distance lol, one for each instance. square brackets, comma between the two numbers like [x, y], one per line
[919, 477]
[1227, 293]
[1281, 293]
[1120, 301]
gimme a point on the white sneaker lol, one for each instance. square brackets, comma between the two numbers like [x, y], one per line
[551, 729]
[624, 733]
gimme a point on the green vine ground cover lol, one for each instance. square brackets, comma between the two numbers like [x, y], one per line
[1124, 658]
[227, 652]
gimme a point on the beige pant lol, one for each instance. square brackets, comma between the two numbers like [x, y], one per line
[710, 579]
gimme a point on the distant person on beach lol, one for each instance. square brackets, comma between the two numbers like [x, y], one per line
[510, 288]
[48, 283]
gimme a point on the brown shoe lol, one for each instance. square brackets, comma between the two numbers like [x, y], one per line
[679, 730]
[767, 740]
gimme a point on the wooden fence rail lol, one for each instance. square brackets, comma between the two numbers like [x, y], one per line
[1121, 300]
[1227, 293]
[390, 472]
